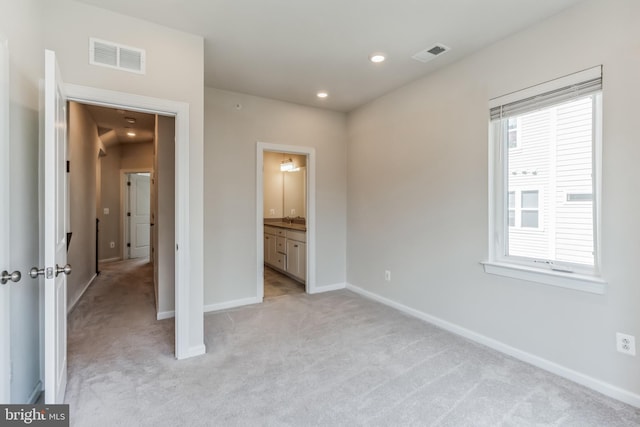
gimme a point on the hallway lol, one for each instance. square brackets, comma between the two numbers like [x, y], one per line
[113, 333]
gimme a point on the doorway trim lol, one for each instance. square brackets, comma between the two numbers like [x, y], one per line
[180, 110]
[310, 152]
[124, 204]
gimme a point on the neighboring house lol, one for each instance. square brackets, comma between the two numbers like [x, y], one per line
[550, 181]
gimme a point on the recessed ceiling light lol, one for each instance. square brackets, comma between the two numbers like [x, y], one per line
[131, 133]
[322, 94]
[131, 120]
[377, 58]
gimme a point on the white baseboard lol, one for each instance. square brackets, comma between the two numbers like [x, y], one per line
[165, 315]
[575, 376]
[232, 304]
[328, 288]
[110, 259]
[198, 350]
[35, 394]
[75, 302]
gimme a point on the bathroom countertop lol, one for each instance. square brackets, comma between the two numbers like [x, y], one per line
[299, 227]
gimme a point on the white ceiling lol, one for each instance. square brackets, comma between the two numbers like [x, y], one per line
[290, 49]
[113, 125]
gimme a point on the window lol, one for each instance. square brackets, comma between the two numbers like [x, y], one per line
[512, 132]
[544, 195]
[530, 211]
[523, 208]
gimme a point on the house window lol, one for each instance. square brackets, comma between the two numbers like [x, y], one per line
[556, 127]
[524, 208]
[530, 211]
[512, 132]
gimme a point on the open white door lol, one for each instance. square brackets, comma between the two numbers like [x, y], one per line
[55, 233]
[5, 335]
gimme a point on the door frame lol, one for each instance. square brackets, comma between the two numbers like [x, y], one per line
[179, 110]
[124, 203]
[310, 152]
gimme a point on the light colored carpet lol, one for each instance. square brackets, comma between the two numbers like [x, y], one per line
[299, 360]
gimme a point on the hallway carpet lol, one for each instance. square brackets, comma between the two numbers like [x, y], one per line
[333, 359]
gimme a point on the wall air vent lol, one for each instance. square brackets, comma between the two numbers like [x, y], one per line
[114, 55]
[430, 53]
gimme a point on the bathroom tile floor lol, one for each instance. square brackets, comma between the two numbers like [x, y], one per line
[277, 284]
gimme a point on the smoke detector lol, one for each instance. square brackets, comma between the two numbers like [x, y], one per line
[430, 53]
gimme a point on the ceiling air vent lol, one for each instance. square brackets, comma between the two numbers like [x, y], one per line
[428, 54]
[114, 55]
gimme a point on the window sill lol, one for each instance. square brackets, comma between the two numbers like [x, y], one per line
[578, 282]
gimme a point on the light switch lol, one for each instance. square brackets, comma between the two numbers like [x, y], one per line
[272, 211]
[106, 211]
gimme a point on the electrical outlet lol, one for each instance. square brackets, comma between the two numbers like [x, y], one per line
[106, 211]
[387, 275]
[112, 245]
[626, 344]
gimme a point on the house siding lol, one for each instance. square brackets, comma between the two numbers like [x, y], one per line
[554, 157]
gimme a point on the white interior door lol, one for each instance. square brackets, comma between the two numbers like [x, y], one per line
[55, 233]
[5, 332]
[139, 215]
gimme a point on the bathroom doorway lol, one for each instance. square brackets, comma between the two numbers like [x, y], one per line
[285, 218]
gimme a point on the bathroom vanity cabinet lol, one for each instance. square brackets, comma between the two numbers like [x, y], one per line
[285, 250]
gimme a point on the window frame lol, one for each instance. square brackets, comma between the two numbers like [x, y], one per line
[549, 272]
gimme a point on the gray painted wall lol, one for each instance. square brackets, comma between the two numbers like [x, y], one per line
[165, 222]
[230, 192]
[120, 157]
[110, 199]
[67, 30]
[19, 22]
[83, 153]
[417, 173]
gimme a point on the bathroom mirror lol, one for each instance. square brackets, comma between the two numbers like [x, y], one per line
[284, 191]
[294, 191]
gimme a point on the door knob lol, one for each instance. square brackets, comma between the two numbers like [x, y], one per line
[14, 277]
[66, 269]
[35, 271]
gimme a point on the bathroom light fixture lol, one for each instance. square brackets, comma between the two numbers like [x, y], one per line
[322, 94]
[376, 58]
[287, 165]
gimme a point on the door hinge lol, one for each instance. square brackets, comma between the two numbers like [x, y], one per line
[129, 183]
[128, 213]
[128, 245]
[68, 166]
